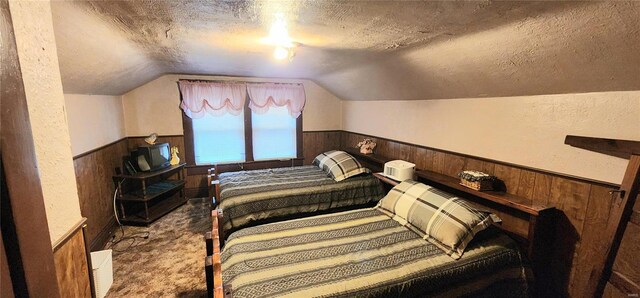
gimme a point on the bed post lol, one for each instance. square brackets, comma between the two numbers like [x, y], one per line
[212, 186]
[220, 227]
[216, 185]
[213, 263]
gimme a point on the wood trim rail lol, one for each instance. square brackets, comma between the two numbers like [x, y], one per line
[60, 242]
[83, 154]
[613, 147]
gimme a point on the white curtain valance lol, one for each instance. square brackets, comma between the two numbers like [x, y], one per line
[265, 95]
[212, 97]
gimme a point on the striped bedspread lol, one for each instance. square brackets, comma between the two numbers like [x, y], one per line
[260, 195]
[364, 253]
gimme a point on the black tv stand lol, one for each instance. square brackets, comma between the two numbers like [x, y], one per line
[144, 197]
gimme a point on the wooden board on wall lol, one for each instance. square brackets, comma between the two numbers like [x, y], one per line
[72, 269]
[94, 172]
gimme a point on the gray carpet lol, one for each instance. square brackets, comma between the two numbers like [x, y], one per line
[168, 264]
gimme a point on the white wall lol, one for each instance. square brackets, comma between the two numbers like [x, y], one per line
[527, 130]
[94, 120]
[43, 89]
[154, 107]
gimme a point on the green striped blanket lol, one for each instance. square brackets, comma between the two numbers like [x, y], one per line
[248, 197]
[364, 253]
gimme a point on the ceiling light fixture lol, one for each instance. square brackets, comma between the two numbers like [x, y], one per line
[280, 53]
[279, 37]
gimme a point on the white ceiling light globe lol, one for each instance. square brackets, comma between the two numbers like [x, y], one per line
[280, 53]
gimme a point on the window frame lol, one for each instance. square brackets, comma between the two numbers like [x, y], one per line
[187, 125]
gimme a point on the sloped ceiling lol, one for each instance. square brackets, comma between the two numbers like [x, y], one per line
[356, 49]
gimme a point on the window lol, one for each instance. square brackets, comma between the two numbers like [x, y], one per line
[219, 139]
[234, 122]
[223, 139]
[274, 134]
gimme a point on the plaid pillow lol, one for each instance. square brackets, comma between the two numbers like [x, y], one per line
[440, 217]
[339, 165]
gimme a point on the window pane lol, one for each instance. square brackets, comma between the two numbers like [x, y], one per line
[274, 134]
[218, 139]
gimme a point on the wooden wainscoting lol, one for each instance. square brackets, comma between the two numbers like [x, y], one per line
[583, 203]
[73, 263]
[316, 142]
[94, 171]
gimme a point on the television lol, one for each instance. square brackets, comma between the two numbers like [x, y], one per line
[152, 157]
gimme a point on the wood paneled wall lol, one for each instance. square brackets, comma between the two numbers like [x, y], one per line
[583, 204]
[94, 170]
[72, 264]
[316, 142]
[625, 276]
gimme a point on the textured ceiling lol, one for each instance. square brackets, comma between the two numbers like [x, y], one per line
[358, 50]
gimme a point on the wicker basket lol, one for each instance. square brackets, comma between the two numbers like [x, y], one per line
[478, 185]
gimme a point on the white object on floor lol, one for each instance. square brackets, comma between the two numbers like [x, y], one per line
[102, 265]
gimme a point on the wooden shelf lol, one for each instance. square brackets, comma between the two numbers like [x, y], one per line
[386, 179]
[375, 158]
[158, 210]
[502, 198]
[147, 175]
[374, 162]
[153, 191]
[453, 184]
[151, 201]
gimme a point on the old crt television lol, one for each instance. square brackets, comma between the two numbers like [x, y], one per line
[152, 157]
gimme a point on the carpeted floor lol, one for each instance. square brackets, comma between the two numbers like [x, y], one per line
[168, 264]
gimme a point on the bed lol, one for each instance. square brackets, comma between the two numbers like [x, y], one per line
[364, 253]
[371, 252]
[252, 197]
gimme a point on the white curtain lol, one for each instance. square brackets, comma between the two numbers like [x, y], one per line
[265, 95]
[214, 98]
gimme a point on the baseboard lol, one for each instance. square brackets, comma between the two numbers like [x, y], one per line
[104, 236]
